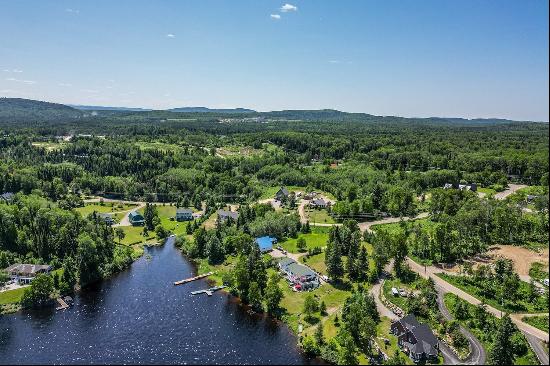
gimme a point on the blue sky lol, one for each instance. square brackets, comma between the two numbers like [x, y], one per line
[408, 58]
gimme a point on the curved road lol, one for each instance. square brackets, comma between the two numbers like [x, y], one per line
[477, 356]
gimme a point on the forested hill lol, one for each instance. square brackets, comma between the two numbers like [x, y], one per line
[17, 110]
[24, 110]
[210, 110]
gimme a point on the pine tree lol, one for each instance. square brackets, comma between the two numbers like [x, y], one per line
[319, 336]
[502, 352]
[273, 294]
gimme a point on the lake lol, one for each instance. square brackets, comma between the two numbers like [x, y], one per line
[139, 316]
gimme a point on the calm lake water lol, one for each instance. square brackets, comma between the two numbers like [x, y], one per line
[139, 316]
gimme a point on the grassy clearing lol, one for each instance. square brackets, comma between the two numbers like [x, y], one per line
[319, 216]
[107, 207]
[486, 190]
[399, 301]
[317, 262]
[162, 146]
[521, 306]
[317, 238]
[50, 146]
[11, 296]
[540, 322]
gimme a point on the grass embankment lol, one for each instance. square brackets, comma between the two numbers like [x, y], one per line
[523, 305]
[540, 322]
[485, 334]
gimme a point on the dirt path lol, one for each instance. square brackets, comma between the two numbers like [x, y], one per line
[430, 272]
[390, 220]
[511, 189]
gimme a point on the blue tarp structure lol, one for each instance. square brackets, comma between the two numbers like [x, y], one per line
[266, 243]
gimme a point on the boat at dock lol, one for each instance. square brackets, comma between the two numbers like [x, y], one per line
[209, 291]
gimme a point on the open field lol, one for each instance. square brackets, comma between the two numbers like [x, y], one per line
[319, 216]
[51, 146]
[317, 238]
[107, 207]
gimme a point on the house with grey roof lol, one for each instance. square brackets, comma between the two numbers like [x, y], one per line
[282, 194]
[107, 217]
[225, 215]
[184, 214]
[25, 273]
[299, 276]
[415, 339]
[318, 203]
[136, 219]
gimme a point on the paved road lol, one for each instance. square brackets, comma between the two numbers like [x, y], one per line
[477, 356]
[538, 348]
[511, 189]
[382, 309]
[390, 220]
[516, 318]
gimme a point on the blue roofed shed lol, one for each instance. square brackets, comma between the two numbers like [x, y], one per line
[266, 243]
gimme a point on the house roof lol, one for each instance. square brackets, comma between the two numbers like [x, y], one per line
[286, 261]
[105, 215]
[319, 202]
[409, 322]
[299, 270]
[8, 196]
[187, 211]
[23, 268]
[284, 191]
[225, 214]
[425, 339]
[265, 242]
[136, 215]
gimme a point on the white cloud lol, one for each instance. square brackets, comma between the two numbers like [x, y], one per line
[16, 71]
[91, 91]
[74, 11]
[22, 81]
[7, 91]
[288, 7]
[275, 16]
[339, 62]
[65, 84]
[170, 35]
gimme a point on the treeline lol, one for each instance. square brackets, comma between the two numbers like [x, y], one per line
[36, 230]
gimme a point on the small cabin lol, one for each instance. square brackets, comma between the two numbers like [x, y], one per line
[136, 219]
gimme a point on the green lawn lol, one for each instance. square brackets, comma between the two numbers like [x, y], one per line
[540, 322]
[317, 262]
[105, 208]
[486, 190]
[521, 306]
[317, 238]
[319, 216]
[399, 301]
[11, 296]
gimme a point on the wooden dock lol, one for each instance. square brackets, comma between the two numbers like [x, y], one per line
[209, 291]
[62, 304]
[193, 278]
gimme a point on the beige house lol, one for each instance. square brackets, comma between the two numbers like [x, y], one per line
[25, 273]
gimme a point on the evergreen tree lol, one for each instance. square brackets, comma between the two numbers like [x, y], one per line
[255, 296]
[502, 352]
[215, 250]
[273, 294]
[319, 336]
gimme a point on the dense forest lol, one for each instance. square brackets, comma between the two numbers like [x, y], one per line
[53, 155]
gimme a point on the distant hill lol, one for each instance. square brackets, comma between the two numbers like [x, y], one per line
[102, 108]
[210, 110]
[19, 109]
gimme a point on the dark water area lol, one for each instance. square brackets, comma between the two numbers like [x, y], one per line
[139, 316]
